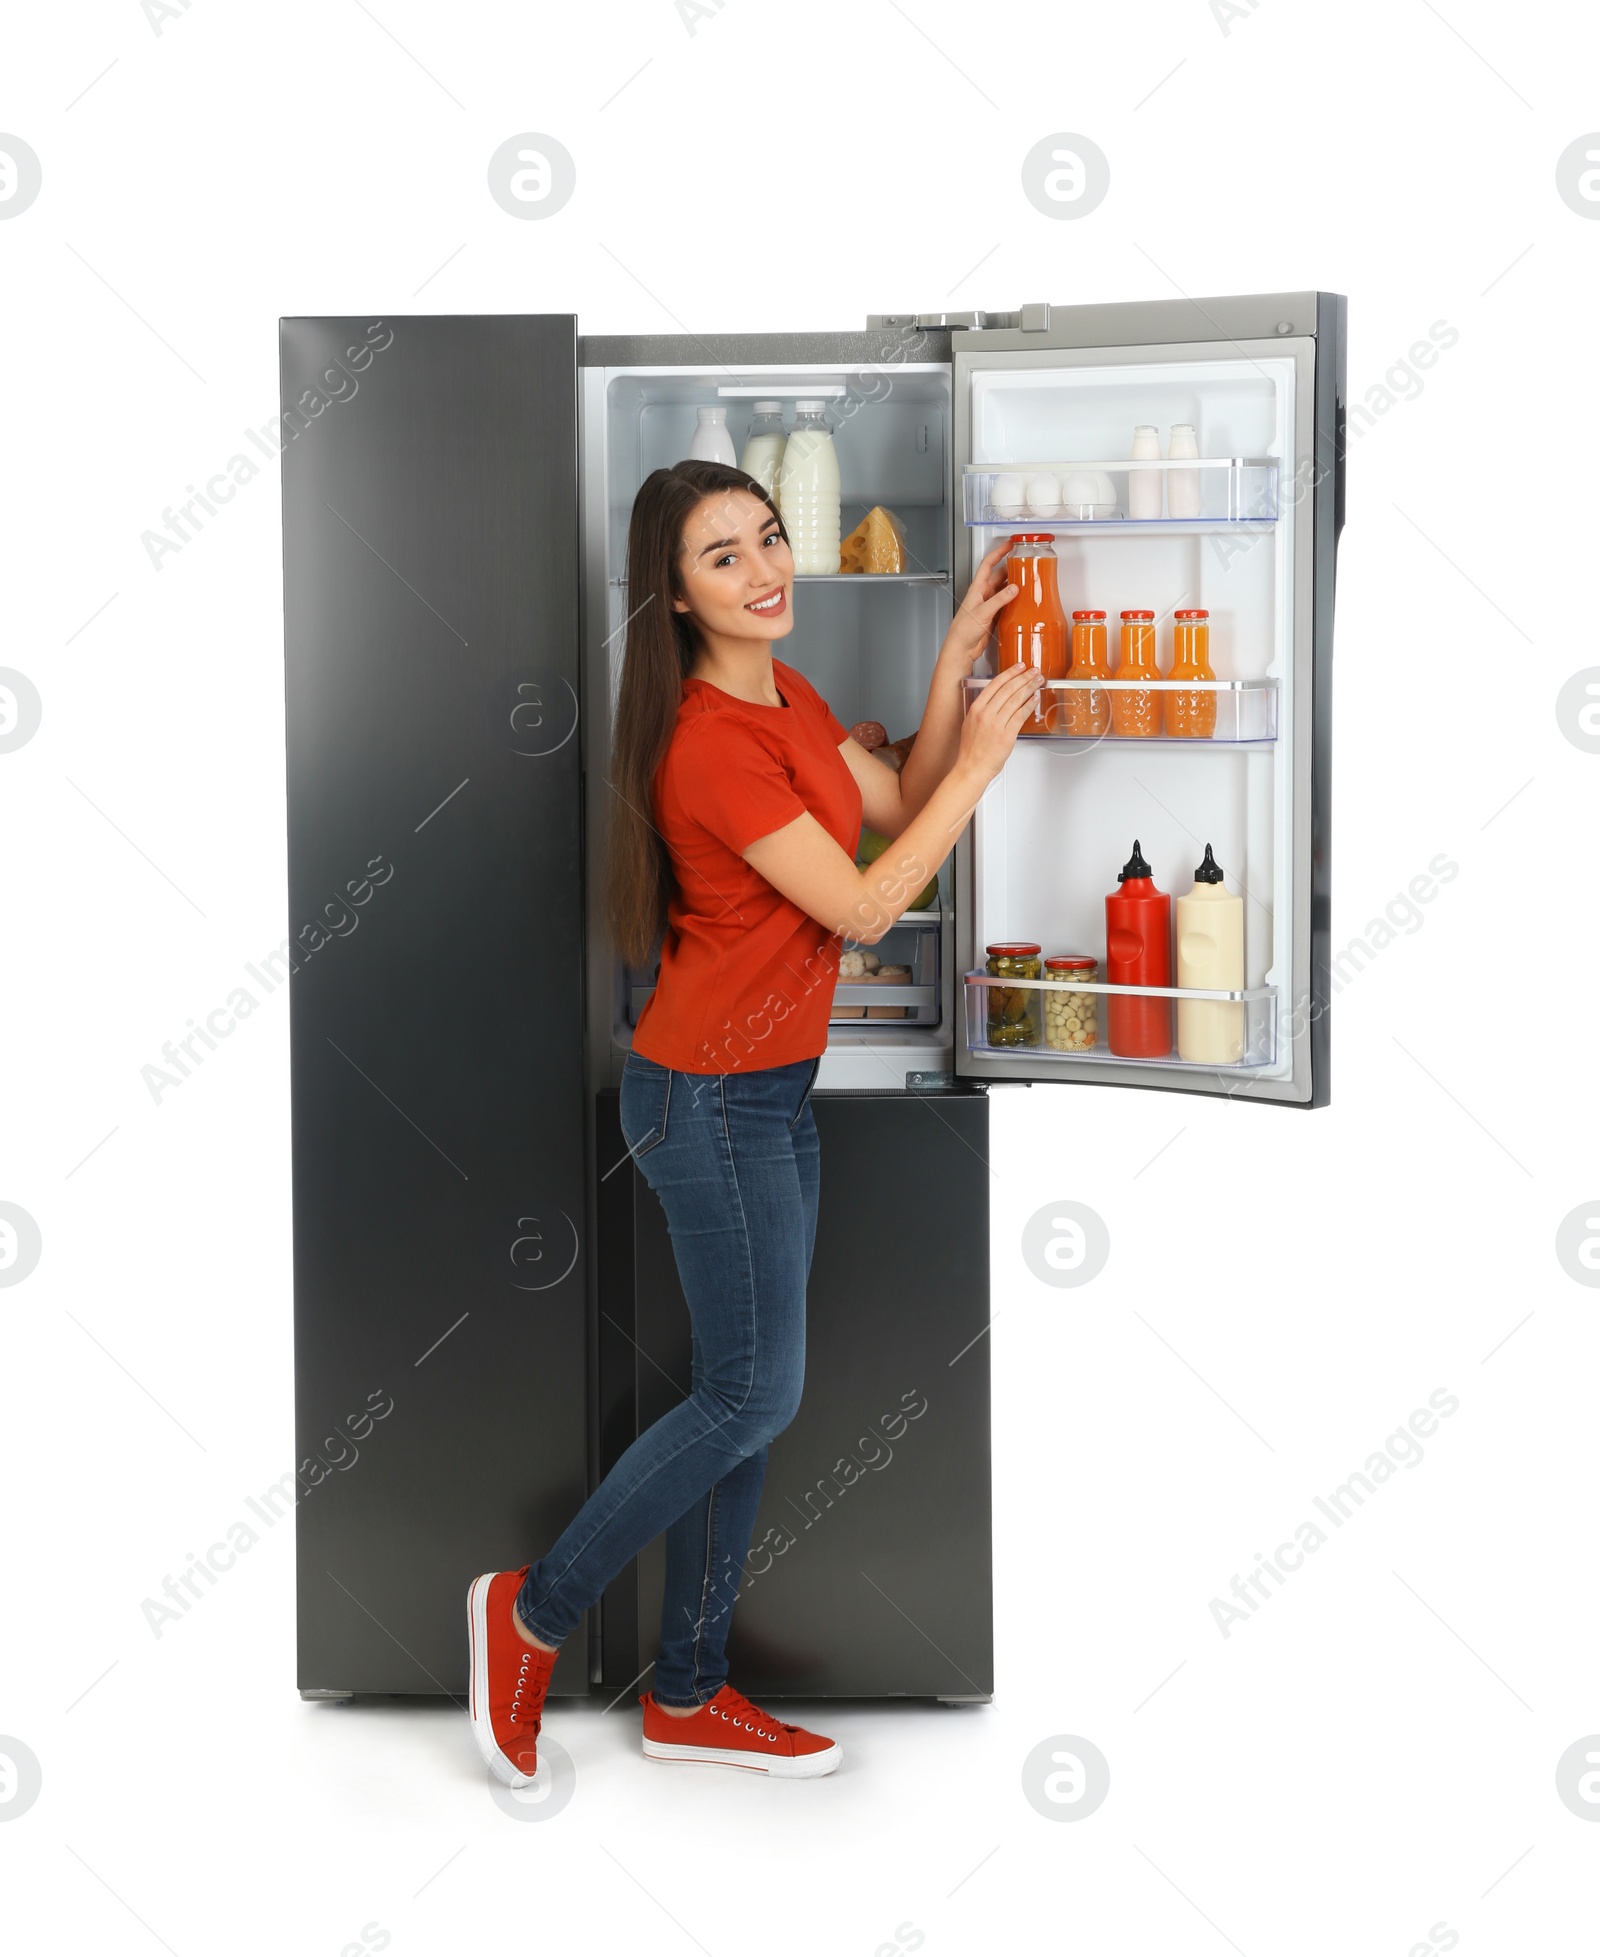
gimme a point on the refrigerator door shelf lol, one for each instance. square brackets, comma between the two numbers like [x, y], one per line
[1247, 711]
[864, 579]
[1231, 489]
[1259, 1005]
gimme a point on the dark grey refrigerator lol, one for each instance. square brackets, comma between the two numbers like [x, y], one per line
[486, 1307]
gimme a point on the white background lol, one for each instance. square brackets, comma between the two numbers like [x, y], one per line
[1364, 1759]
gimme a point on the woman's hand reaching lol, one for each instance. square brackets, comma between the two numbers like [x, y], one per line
[993, 722]
[989, 590]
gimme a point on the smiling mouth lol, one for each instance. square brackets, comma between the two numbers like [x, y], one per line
[765, 607]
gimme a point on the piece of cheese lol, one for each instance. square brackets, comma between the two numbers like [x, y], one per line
[877, 544]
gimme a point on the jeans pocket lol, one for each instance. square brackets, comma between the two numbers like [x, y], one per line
[811, 1081]
[646, 1093]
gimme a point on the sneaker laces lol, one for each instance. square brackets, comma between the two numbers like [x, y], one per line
[753, 1718]
[534, 1682]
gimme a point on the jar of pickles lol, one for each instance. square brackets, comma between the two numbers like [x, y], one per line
[1071, 1019]
[1012, 1016]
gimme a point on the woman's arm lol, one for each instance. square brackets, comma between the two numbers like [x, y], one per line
[888, 800]
[804, 862]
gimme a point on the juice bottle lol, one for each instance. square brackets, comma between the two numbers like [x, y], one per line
[1191, 715]
[1211, 958]
[1032, 628]
[1138, 952]
[1137, 716]
[808, 493]
[763, 446]
[1086, 711]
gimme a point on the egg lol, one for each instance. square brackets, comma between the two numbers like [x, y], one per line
[1043, 495]
[1009, 496]
[1079, 493]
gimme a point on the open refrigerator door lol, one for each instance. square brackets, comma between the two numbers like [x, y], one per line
[1178, 461]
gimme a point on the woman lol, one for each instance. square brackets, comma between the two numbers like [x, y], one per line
[739, 800]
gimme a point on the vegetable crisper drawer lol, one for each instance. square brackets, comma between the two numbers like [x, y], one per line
[901, 981]
[903, 988]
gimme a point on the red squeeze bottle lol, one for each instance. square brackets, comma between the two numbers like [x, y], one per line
[1138, 952]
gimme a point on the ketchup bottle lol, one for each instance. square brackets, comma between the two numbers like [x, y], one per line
[1138, 952]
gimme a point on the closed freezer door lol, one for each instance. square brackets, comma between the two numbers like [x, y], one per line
[870, 1572]
[435, 907]
[1228, 515]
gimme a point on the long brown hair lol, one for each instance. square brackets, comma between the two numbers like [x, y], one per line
[661, 647]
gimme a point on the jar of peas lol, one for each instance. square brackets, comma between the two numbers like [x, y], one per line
[1013, 1010]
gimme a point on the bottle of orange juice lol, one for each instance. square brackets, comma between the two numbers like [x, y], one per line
[1032, 628]
[1191, 715]
[1087, 711]
[1137, 715]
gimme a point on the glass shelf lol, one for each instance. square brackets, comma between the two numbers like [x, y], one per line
[1247, 711]
[847, 577]
[1205, 493]
[925, 920]
[1254, 1030]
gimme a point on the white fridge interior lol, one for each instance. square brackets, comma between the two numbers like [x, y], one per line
[1055, 828]
[867, 642]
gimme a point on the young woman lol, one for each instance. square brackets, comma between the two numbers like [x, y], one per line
[739, 800]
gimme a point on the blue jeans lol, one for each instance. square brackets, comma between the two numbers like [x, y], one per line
[733, 1158]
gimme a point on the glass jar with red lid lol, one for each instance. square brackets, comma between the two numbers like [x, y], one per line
[1011, 1017]
[1071, 1019]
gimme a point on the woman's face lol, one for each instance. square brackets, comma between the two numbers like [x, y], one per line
[737, 573]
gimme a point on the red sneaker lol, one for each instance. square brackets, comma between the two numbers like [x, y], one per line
[730, 1732]
[508, 1682]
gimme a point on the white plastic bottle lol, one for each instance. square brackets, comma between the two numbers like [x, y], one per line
[763, 447]
[1210, 933]
[1144, 485]
[808, 493]
[1183, 485]
[712, 442]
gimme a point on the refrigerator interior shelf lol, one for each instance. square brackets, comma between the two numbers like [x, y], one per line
[1240, 491]
[1257, 1024]
[1247, 711]
[785, 390]
[921, 920]
[847, 993]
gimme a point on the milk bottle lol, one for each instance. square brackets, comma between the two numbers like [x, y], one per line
[1183, 485]
[1210, 937]
[808, 493]
[763, 448]
[712, 442]
[1144, 485]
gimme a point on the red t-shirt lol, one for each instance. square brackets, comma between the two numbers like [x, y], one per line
[747, 977]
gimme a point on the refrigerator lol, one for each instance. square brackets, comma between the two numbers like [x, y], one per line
[486, 1305]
